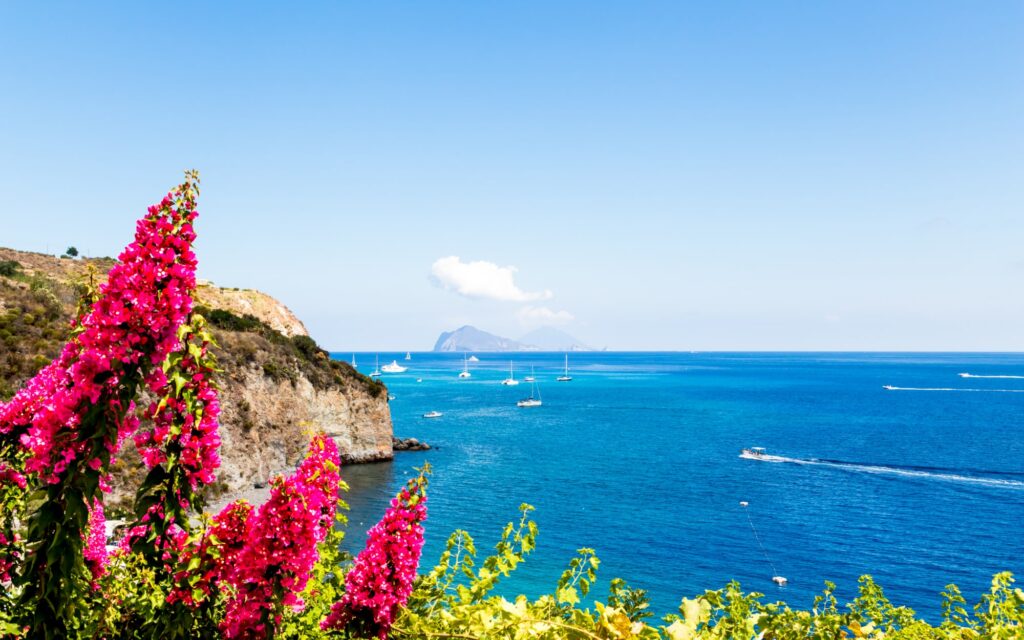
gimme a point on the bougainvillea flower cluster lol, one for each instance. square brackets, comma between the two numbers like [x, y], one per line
[184, 416]
[281, 541]
[96, 542]
[183, 441]
[72, 417]
[131, 327]
[206, 565]
[381, 579]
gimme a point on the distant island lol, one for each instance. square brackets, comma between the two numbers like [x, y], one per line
[470, 338]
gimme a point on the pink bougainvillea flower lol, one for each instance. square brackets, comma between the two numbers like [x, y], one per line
[281, 540]
[381, 579]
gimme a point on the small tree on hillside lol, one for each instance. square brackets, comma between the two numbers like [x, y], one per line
[71, 252]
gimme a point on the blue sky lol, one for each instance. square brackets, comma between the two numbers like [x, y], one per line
[662, 175]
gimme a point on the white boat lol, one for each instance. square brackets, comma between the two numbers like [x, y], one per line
[534, 399]
[419, 379]
[565, 377]
[408, 356]
[376, 368]
[394, 367]
[474, 359]
[531, 377]
[888, 387]
[465, 367]
[354, 365]
[752, 452]
[433, 414]
[510, 381]
[391, 396]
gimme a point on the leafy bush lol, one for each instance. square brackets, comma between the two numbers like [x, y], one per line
[9, 268]
[308, 347]
[224, 319]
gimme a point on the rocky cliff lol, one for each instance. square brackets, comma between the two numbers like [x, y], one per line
[276, 384]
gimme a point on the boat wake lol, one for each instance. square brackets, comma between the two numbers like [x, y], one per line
[971, 375]
[892, 388]
[909, 472]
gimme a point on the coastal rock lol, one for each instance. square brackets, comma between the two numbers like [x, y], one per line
[270, 421]
[408, 444]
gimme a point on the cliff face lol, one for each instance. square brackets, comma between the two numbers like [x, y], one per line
[276, 384]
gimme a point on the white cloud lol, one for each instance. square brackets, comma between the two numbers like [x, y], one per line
[481, 279]
[536, 316]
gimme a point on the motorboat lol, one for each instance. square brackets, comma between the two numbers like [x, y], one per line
[391, 396]
[394, 367]
[433, 414]
[510, 381]
[888, 387]
[565, 377]
[752, 452]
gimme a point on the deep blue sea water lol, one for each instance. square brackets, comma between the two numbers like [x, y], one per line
[638, 458]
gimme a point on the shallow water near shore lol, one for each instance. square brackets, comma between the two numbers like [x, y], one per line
[638, 457]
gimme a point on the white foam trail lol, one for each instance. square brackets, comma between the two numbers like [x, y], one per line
[971, 375]
[892, 388]
[869, 468]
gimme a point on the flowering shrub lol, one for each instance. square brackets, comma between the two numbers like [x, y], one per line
[96, 542]
[181, 448]
[71, 419]
[381, 579]
[280, 546]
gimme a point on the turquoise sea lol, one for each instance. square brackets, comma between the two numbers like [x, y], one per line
[638, 457]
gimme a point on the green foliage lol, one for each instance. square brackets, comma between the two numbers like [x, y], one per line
[224, 319]
[71, 252]
[9, 268]
[308, 347]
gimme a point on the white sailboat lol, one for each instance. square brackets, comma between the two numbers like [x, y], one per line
[534, 399]
[565, 377]
[376, 368]
[531, 377]
[354, 365]
[408, 356]
[510, 381]
[465, 367]
[394, 367]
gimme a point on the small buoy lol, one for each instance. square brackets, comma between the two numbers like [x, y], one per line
[744, 504]
[779, 580]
